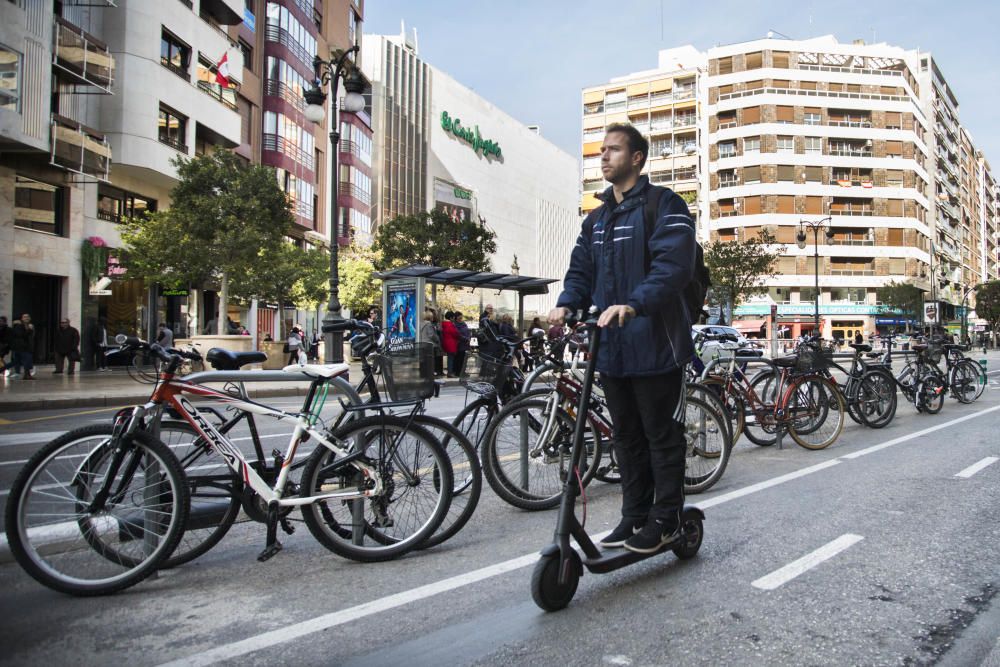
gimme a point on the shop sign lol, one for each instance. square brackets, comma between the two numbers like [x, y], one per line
[115, 268]
[99, 292]
[931, 312]
[809, 309]
[462, 194]
[249, 20]
[454, 125]
[175, 292]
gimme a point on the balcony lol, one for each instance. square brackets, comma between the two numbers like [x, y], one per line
[850, 123]
[352, 190]
[728, 182]
[281, 36]
[278, 144]
[852, 272]
[85, 59]
[80, 149]
[853, 211]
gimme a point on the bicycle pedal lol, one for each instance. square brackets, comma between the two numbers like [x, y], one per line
[287, 527]
[269, 552]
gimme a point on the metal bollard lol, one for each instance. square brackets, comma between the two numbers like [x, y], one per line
[982, 378]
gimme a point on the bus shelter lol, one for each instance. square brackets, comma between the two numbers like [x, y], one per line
[403, 290]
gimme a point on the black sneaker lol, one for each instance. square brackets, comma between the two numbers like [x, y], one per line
[655, 535]
[626, 529]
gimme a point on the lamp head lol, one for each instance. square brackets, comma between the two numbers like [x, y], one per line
[800, 239]
[315, 98]
[829, 234]
[354, 84]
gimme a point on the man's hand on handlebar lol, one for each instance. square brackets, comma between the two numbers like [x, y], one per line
[616, 315]
[558, 315]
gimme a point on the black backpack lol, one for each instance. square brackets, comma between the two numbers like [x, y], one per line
[696, 291]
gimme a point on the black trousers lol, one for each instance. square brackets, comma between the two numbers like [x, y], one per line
[648, 417]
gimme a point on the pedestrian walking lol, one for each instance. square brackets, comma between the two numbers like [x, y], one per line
[22, 347]
[293, 346]
[4, 344]
[439, 351]
[165, 336]
[98, 339]
[489, 334]
[67, 347]
[636, 277]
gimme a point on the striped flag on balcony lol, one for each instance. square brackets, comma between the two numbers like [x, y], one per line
[222, 71]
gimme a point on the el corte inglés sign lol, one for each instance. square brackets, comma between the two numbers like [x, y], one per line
[454, 125]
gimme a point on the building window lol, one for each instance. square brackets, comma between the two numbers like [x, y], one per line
[10, 79]
[814, 144]
[38, 206]
[285, 29]
[754, 60]
[786, 173]
[812, 117]
[751, 145]
[206, 81]
[726, 65]
[727, 149]
[247, 51]
[173, 129]
[246, 120]
[175, 55]
[117, 205]
[786, 143]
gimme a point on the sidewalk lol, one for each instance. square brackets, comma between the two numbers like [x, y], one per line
[109, 389]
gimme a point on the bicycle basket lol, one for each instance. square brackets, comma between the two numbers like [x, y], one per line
[483, 376]
[933, 353]
[809, 359]
[407, 371]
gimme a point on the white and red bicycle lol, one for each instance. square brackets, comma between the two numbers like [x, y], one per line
[102, 507]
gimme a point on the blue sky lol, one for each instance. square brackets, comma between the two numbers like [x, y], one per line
[532, 58]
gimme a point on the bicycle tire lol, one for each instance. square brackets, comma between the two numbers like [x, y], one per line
[981, 378]
[214, 489]
[765, 387]
[964, 382]
[474, 419]
[930, 394]
[877, 398]
[104, 540]
[541, 483]
[710, 392]
[366, 529]
[468, 479]
[851, 392]
[819, 400]
[708, 446]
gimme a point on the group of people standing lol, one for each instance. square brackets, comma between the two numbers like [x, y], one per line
[450, 337]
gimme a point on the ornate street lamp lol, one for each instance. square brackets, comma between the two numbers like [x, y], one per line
[329, 72]
[800, 241]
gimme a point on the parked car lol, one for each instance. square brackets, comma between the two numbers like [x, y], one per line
[708, 347]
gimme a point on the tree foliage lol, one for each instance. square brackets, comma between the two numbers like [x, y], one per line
[434, 239]
[359, 289]
[902, 298]
[988, 303]
[224, 216]
[740, 268]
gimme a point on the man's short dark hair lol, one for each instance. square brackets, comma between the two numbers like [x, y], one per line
[636, 142]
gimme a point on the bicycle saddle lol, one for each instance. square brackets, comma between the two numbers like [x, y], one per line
[919, 347]
[318, 370]
[227, 360]
[861, 347]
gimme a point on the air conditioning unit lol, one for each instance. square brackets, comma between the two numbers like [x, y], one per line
[868, 143]
[690, 148]
[666, 152]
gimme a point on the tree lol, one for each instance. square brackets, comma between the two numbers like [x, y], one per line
[286, 273]
[434, 239]
[740, 268]
[988, 304]
[223, 215]
[902, 298]
[358, 288]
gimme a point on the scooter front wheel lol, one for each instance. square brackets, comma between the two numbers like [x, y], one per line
[694, 531]
[546, 590]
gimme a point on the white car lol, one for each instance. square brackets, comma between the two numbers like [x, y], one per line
[708, 347]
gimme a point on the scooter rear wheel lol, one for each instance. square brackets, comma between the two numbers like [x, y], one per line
[694, 532]
[546, 590]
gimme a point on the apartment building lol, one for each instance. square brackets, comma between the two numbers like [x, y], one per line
[865, 138]
[440, 145]
[665, 105]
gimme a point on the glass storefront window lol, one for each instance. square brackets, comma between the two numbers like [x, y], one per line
[10, 79]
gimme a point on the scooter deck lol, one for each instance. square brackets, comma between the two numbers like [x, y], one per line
[613, 559]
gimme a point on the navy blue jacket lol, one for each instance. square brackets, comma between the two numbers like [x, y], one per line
[608, 267]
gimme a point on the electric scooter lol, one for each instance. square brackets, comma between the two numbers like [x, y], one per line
[558, 571]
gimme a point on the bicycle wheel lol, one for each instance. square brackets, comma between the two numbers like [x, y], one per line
[526, 453]
[91, 516]
[468, 478]
[708, 445]
[213, 487]
[474, 419]
[416, 479]
[876, 398]
[964, 382]
[816, 412]
[711, 395]
[981, 378]
[930, 394]
[765, 385]
[852, 399]
[732, 401]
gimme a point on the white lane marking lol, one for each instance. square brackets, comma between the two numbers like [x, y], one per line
[333, 619]
[785, 574]
[16, 439]
[976, 467]
[760, 486]
[336, 618]
[911, 436]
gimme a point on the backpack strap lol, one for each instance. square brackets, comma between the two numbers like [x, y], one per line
[653, 194]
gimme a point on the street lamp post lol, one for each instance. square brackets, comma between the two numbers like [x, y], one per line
[965, 312]
[329, 72]
[800, 241]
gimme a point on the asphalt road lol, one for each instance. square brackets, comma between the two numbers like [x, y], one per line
[878, 550]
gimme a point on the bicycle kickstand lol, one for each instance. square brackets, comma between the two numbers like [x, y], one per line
[273, 546]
